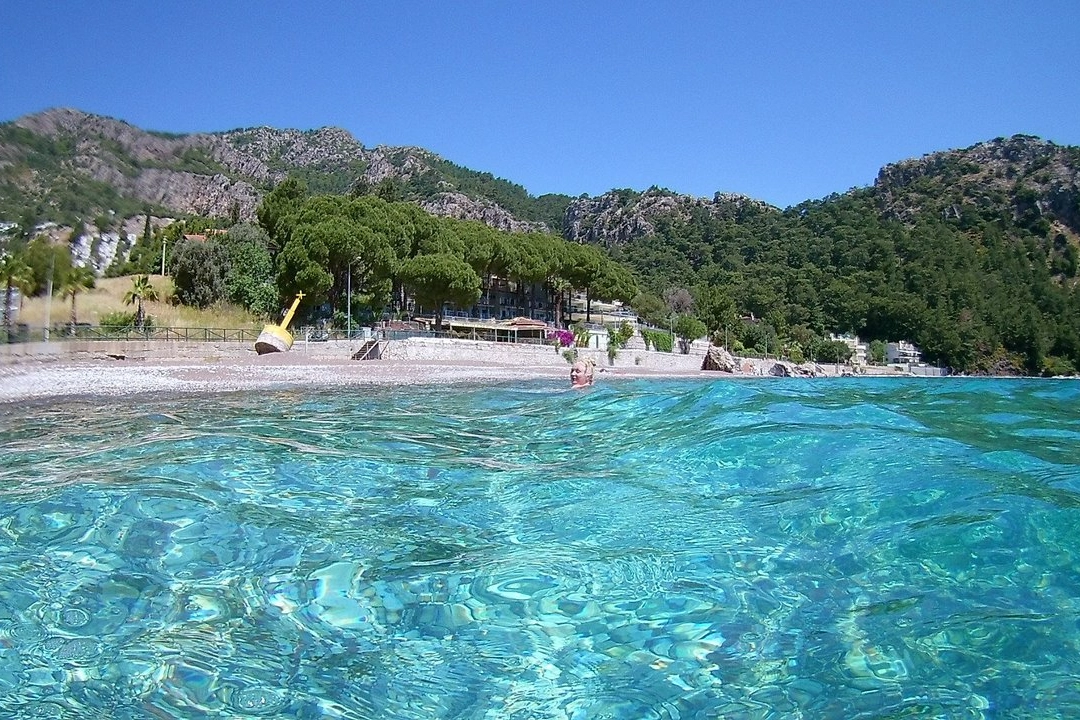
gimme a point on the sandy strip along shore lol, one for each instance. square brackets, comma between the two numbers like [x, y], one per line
[35, 380]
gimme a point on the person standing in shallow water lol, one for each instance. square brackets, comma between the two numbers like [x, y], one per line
[581, 374]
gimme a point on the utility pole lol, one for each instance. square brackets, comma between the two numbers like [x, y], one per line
[48, 297]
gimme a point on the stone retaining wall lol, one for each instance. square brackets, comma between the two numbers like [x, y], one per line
[472, 351]
[83, 350]
[419, 350]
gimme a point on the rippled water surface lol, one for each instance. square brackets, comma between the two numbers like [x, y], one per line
[642, 549]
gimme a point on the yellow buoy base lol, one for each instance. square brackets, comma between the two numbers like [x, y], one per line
[273, 338]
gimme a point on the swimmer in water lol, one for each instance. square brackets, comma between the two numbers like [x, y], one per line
[581, 374]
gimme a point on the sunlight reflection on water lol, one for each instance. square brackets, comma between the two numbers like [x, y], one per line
[669, 549]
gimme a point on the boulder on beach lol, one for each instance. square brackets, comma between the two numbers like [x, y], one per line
[780, 369]
[720, 360]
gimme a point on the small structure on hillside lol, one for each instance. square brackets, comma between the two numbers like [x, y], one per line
[277, 338]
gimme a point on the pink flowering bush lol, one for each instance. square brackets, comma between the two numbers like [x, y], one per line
[561, 338]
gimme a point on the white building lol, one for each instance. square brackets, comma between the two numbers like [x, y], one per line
[860, 351]
[601, 312]
[902, 353]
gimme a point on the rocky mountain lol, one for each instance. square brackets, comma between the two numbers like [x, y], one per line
[70, 167]
[1020, 179]
[66, 166]
[1023, 178]
[621, 216]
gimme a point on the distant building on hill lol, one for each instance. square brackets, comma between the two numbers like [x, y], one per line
[902, 353]
[860, 351]
[202, 237]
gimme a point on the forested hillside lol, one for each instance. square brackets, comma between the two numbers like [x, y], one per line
[971, 254]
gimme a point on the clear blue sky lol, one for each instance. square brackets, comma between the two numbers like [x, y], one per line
[781, 101]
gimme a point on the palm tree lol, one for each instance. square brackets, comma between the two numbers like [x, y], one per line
[140, 292]
[78, 280]
[14, 273]
[26, 285]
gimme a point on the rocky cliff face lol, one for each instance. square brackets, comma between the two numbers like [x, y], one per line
[620, 216]
[149, 168]
[462, 207]
[213, 174]
[226, 174]
[1035, 179]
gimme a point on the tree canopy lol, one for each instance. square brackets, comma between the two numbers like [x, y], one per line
[978, 290]
[378, 249]
[438, 279]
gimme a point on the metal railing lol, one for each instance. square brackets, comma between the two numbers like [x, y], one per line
[65, 333]
[500, 335]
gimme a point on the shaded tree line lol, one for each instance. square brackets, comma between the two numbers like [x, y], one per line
[980, 290]
[331, 247]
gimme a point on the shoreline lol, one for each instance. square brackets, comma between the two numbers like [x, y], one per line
[144, 369]
[57, 379]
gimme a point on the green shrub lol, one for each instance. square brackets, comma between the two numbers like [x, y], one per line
[619, 336]
[658, 340]
[581, 334]
[1054, 366]
[121, 320]
[688, 328]
[118, 320]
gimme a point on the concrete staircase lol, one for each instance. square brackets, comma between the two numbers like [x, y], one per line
[370, 350]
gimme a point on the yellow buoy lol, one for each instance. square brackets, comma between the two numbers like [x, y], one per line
[277, 338]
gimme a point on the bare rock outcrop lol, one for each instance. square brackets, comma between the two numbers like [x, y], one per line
[718, 359]
[391, 163]
[621, 216]
[462, 207]
[780, 369]
[1042, 180]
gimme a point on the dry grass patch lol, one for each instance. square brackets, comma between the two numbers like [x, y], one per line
[108, 297]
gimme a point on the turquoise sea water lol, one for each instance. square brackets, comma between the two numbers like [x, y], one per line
[641, 549]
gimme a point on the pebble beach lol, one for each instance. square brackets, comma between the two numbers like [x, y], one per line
[38, 379]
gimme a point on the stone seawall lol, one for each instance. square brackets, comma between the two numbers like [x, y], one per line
[85, 350]
[412, 350]
[429, 350]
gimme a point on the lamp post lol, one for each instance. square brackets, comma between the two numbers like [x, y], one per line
[48, 297]
[348, 300]
[164, 244]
